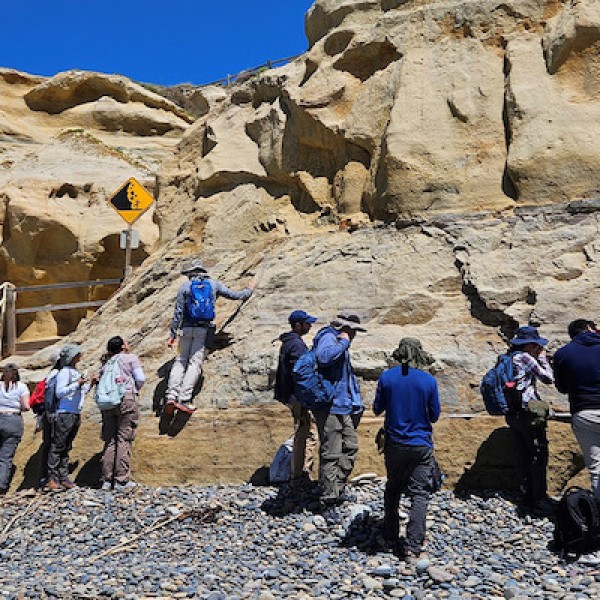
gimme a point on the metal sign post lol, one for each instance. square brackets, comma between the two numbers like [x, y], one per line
[128, 267]
[131, 201]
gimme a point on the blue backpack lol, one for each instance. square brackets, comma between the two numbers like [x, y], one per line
[310, 387]
[200, 305]
[497, 386]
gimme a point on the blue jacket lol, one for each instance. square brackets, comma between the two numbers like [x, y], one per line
[218, 289]
[411, 404]
[333, 357]
[292, 348]
[577, 371]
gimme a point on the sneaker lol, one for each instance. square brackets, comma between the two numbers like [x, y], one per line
[106, 486]
[128, 485]
[590, 560]
[187, 407]
[52, 486]
[67, 484]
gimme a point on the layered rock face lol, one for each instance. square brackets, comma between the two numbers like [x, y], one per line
[429, 165]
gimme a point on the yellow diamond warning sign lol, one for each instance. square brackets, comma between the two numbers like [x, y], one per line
[131, 200]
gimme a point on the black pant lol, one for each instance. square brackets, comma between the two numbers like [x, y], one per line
[531, 456]
[64, 427]
[409, 471]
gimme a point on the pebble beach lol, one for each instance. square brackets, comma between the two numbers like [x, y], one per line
[228, 542]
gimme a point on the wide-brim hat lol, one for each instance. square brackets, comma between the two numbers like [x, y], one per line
[348, 320]
[528, 335]
[194, 266]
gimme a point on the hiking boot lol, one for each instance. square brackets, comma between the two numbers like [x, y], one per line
[106, 486]
[67, 484]
[128, 485]
[52, 486]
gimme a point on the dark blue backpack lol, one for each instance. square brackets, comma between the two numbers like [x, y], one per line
[50, 397]
[498, 385]
[200, 305]
[311, 389]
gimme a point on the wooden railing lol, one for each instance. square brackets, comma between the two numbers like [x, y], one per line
[9, 310]
[248, 73]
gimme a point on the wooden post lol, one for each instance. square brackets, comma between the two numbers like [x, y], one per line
[11, 320]
[128, 268]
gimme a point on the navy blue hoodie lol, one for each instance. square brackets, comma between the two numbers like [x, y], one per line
[577, 371]
[292, 348]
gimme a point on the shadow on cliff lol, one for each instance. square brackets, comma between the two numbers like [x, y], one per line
[493, 468]
[168, 424]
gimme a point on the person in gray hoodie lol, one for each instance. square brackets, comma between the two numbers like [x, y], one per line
[337, 423]
[192, 329]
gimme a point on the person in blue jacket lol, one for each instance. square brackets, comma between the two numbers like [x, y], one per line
[577, 373]
[409, 398]
[337, 423]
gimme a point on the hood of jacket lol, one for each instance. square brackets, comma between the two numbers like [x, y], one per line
[288, 336]
[587, 338]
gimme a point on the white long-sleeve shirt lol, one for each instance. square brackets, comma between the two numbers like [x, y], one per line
[68, 391]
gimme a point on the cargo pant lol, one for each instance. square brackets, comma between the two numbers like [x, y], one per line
[119, 426]
[187, 367]
[305, 440]
[11, 432]
[337, 453]
[64, 427]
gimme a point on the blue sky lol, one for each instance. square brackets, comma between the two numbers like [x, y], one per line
[154, 41]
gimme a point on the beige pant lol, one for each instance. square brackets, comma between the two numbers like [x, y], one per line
[187, 367]
[305, 440]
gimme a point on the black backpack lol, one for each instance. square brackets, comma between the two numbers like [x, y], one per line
[577, 527]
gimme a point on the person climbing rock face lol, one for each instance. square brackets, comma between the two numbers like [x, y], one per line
[192, 319]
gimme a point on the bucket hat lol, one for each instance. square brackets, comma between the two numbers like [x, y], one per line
[528, 335]
[68, 352]
[410, 352]
[194, 266]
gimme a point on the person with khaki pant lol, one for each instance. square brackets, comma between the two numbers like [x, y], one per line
[192, 320]
[119, 424]
[305, 439]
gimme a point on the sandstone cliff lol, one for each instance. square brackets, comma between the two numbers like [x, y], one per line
[430, 165]
[67, 143]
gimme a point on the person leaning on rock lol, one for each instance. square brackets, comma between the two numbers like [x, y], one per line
[527, 419]
[71, 388]
[292, 348]
[409, 398]
[577, 373]
[119, 424]
[14, 399]
[194, 312]
[337, 423]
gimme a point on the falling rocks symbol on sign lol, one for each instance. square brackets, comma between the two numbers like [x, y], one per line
[126, 198]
